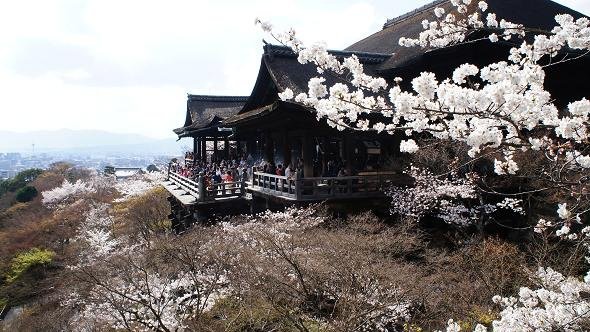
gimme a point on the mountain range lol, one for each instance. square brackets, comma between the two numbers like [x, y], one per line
[87, 142]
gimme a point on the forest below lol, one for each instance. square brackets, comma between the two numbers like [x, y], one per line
[91, 253]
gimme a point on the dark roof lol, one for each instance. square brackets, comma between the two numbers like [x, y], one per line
[532, 13]
[206, 111]
[280, 70]
[255, 113]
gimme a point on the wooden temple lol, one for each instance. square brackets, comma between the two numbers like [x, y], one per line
[266, 128]
[204, 115]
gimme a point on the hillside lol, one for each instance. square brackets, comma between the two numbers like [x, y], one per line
[93, 253]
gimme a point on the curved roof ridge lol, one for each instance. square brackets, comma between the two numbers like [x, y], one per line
[366, 57]
[416, 11]
[215, 98]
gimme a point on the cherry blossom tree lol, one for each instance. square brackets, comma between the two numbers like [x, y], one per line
[501, 109]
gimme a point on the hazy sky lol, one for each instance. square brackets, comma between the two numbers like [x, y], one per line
[126, 65]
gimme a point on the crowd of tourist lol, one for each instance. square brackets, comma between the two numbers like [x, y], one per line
[224, 171]
[238, 170]
[290, 171]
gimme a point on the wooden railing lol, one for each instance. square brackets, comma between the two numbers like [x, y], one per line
[343, 187]
[275, 185]
[203, 193]
[186, 184]
[225, 189]
[319, 188]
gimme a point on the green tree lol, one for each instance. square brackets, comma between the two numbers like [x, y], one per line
[20, 180]
[28, 259]
[26, 194]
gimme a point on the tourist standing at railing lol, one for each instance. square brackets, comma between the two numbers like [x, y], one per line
[235, 173]
[216, 177]
[272, 168]
[280, 170]
[227, 177]
[289, 172]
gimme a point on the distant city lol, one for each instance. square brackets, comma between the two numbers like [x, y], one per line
[83, 148]
[13, 162]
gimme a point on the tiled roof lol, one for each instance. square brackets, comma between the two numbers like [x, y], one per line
[532, 13]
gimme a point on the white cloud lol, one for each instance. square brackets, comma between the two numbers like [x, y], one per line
[127, 65]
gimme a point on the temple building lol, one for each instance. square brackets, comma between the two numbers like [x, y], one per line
[264, 128]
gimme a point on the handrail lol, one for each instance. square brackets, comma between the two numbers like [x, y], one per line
[186, 184]
[282, 177]
[213, 191]
[316, 188]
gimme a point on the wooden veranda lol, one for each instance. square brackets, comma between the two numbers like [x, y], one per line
[196, 192]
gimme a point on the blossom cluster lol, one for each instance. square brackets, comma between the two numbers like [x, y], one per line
[138, 185]
[96, 233]
[446, 198]
[559, 304]
[149, 301]
[66, 193]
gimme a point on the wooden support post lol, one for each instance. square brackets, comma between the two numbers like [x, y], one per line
[240, 149]
[347, 141]
[226, 148]
[307, 153]
[201, 197]
[203, 149]
[215, 152]
[251, 147]
[268, 148]
[286, 149]
[324, 156]
[195, 148]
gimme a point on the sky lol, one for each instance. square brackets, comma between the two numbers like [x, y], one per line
[126, 65]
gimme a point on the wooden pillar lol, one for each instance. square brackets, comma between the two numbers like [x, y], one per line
[324, 152]
[226, 148]
[286, 149]
[347, 142]
[240, 149]
[307, 154]
[204, 149]
[268, 148]
[215, 152]
[251, 147]
[195, 148]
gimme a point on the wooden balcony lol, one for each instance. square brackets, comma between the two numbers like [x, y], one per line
[190, 192]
